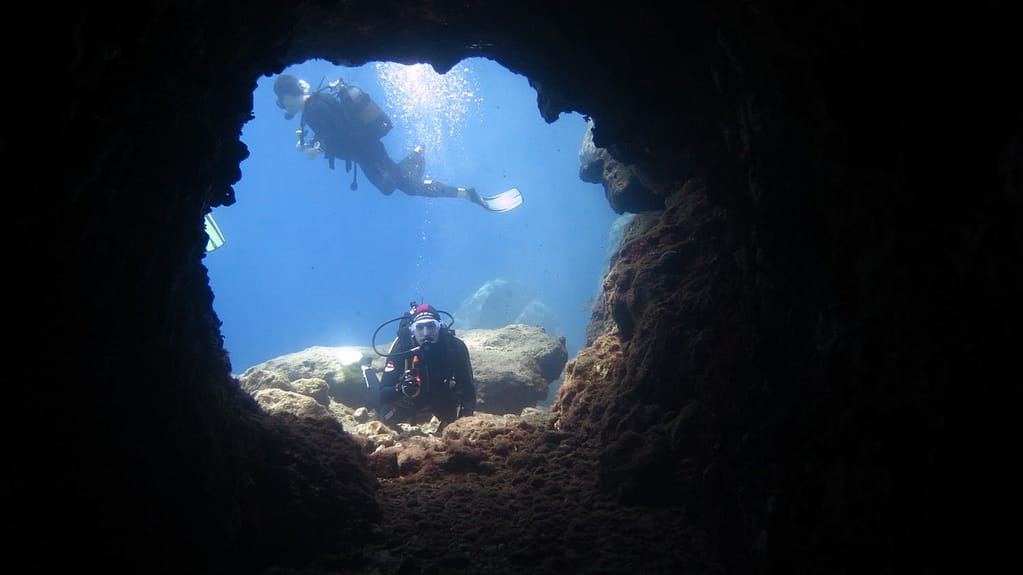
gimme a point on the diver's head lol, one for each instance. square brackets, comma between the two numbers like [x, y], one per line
[291, 93]
[426, 325]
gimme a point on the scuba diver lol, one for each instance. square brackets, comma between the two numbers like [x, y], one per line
[427, 373]
[347, 124]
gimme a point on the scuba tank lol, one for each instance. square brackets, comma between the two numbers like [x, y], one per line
[364, 111]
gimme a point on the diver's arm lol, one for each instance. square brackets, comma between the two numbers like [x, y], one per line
[391, 374]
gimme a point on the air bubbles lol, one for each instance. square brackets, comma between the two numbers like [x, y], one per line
[432, 108]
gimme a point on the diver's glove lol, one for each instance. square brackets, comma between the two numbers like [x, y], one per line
[313, 151]
[310, 150]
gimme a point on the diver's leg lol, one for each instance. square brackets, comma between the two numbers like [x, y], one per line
[408, 175]
[432, 189]
[412, 166]
[379, 168]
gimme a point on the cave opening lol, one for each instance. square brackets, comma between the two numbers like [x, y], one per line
[844, 222]
[309, 261]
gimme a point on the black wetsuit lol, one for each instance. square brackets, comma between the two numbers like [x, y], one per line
[445, 382]
[341, 133]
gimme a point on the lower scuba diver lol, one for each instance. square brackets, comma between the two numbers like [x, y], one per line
[428, 372]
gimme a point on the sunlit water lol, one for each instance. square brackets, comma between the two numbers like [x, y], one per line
[430, 108]
[309, 261]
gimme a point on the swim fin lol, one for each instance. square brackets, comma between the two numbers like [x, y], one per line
[503, 202]
[216, 237]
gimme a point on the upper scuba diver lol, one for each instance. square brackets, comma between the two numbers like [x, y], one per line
[347, 124]
[428, 372]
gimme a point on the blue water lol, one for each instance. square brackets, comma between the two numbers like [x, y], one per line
[308, 261]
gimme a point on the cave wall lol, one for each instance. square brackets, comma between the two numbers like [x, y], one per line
[831, 180]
